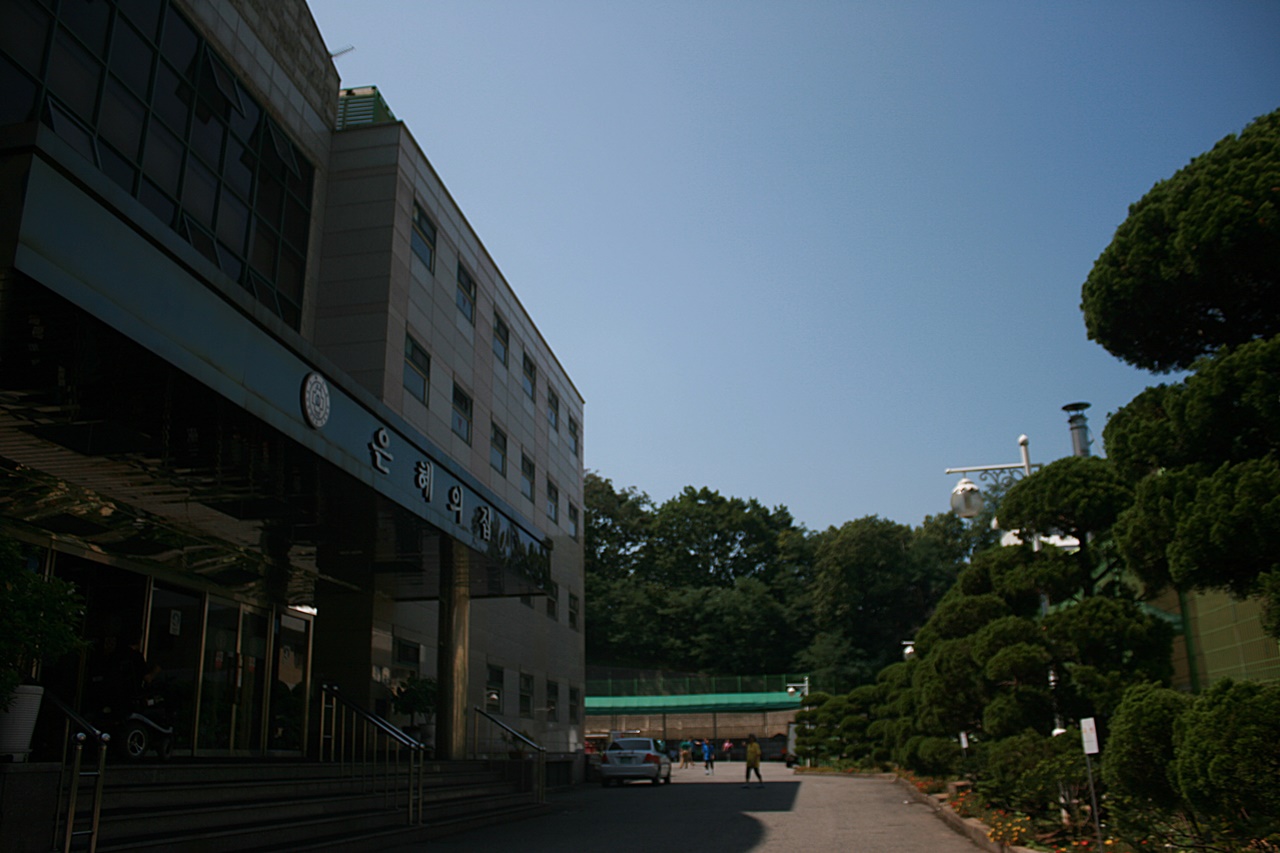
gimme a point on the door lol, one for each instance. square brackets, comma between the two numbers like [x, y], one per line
[234, 678]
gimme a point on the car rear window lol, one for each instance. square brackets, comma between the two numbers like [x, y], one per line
[633, 743]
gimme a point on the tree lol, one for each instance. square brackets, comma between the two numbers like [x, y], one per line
[1077, 495]
[616, 527]
[1139, 756]
[1195, 266]
[700, 538]
[1205, 455]
[1227, 757]
[876, 581]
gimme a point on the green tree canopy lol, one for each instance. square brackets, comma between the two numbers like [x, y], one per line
[1204, 454]
[1196, 265]
[700, 537]
[1076, 495]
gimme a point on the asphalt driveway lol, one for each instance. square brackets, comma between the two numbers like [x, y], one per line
[715, 814]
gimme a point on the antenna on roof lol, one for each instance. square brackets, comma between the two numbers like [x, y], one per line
[342, 51]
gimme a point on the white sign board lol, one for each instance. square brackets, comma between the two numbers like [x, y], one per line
[964, 741]
[1089, 734]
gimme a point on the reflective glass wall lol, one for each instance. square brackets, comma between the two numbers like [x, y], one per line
[133, 87]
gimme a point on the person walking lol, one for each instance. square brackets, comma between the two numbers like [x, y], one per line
[685, 748]
[753, 762]
[709, 757]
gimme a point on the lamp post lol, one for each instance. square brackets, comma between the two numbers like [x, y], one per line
[966, 497]
[801, 687]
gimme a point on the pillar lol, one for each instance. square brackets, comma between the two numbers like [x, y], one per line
[454, 644]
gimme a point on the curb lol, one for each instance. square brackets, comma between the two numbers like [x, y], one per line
[971, 828]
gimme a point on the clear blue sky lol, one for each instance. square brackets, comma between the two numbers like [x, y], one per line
[813, 252]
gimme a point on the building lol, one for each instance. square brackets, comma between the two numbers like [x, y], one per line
[264, 394]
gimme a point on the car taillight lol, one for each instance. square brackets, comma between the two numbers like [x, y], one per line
[651, 758]
[604, 758]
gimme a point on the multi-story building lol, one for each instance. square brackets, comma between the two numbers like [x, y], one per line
[264, 394]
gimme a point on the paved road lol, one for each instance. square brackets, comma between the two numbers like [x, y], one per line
[714, 814]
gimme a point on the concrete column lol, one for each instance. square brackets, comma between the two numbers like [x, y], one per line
[454, 650]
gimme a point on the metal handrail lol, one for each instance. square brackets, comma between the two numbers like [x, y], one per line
[540, 752]
[86, 732]
[355, 737]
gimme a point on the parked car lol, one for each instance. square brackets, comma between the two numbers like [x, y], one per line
[635, 758]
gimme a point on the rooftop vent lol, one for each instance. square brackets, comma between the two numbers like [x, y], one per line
[363, 105]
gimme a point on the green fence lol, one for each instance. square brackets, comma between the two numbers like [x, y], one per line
[685, 685]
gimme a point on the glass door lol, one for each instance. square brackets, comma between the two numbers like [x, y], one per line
[291, 674]
[234, 678]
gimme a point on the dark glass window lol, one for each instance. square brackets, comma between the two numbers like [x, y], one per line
[417, 369]
[423, 238]
[526, 695]
[501, 340]
[527, 474]
[144, 13]
[529, 381]
[162, 160]
[172, 110]
[200, 192]
[123, 119]
[462, 413]
[172, 98]
[25, 35]
[553, 701]
[88, 20]
[233, 221]
[179, 43]
[131, 58]
[466, 297]
[20, 94]
[493, 687]
[74, 75]
[498, 449]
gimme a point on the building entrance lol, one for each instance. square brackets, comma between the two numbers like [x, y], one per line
[233, 684]
[232, 676]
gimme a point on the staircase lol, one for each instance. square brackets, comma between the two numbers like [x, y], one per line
[263, 806]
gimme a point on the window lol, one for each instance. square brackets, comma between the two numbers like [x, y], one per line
[574, 440]
[553, 410]
[167, 121]
[417, 369]
[575, 610]
[573, 521]
[575, 699]
[461, 413]
[553, 501]
[530, 378]
[553, 701]
[553, 600]
[493, 685]
[407, 653]
[527, 474]
[526, 695]
[498, 449]
[501, 339]
[423, 239]
[466, 294]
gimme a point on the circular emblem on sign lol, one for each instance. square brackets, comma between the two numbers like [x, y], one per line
[315, 400]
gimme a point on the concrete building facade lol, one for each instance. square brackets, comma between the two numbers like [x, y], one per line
[264, 394]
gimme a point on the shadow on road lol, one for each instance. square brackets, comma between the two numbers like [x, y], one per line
[716, 815]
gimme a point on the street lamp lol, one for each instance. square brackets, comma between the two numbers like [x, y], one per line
[801, 687]
[966, 497]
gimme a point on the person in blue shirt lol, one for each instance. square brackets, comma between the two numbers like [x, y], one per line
[709, 757]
